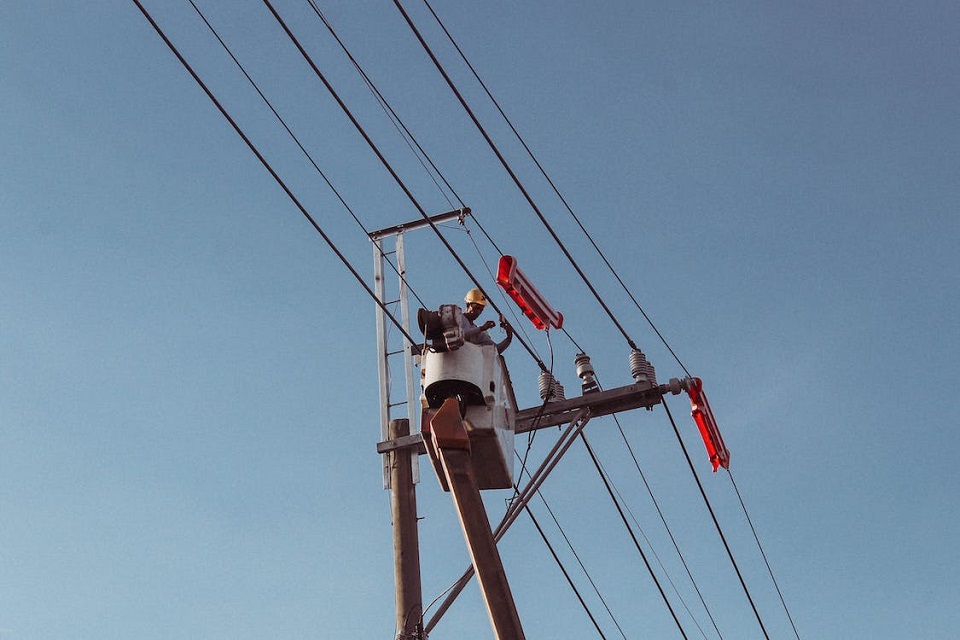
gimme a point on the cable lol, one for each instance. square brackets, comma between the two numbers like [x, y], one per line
[563, 569]
[579, 561]
[636, 543]
[656, 555]
[419, 152]
[716, 523]
[373, 147]
[292, 135]
[512, 175]
[405, 132]
[551, 183]
[760, 546]
[663, 519]
[269, 168]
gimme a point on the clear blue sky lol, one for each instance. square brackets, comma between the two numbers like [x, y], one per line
[188, 397]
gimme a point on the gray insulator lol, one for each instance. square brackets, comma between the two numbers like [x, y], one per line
[584, 368]
[651, 374]
[674, 386]
[545, 381]
[586, 373]
[641, 369]
[556, 392]
[550, 388]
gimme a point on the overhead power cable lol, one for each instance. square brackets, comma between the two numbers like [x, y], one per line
[663, 519]
[376, 150]
[511, 173]
[296, 139]
[563, 569]
[419, 152]
[656, 556]
[553, 186]
[266, 165]
[636, 543]
[560, 447]
[762, 553]
[583, 567]
[422, 156]
[716, 523]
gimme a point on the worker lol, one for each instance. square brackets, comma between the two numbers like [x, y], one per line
[475, 304]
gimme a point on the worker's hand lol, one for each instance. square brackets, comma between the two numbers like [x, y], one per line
[489, 324]
[505, 325]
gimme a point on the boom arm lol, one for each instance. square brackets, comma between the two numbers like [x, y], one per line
[452, 448]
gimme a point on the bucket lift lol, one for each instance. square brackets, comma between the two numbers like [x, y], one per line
[476, 377]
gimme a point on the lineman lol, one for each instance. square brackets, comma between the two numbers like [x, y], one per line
[475, 304]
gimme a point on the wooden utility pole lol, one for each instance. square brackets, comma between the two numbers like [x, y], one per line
[406, 545]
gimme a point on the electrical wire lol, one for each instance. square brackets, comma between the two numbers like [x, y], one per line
[636, 543]
[716, 523]
[299, 144]
[563, 569]
[663, 519]
[353, 271]
[656, 555]
[419, 152]
[560, 447]
[532, 434]
[376, 150]
[576, 555]
[512, 175]
[762, 553]
[266, 165]
[550, 181]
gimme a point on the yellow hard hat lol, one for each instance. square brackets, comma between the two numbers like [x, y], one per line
[475, 296]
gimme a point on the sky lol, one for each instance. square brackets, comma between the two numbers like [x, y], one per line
[188, 385]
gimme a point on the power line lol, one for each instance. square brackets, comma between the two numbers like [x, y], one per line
[762, 553]
[563, 569]
[656, 555]
[296, 139]
[663, 519]
[636, 543]
[512, 175]
[422, 156]
[556, 522]
[419, 152]
[716, 523]
[550, 181]
[266, 165]
[373, 147]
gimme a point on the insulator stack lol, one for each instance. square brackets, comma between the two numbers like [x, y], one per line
[557, 393]
[550, 388]
[641, 369]
[586, 373]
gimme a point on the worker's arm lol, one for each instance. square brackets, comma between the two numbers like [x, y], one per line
[502, 345]
[474, 334]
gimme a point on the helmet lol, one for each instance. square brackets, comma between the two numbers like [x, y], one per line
[476, 296]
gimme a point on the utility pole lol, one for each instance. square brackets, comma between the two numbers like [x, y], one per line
[406, 545]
